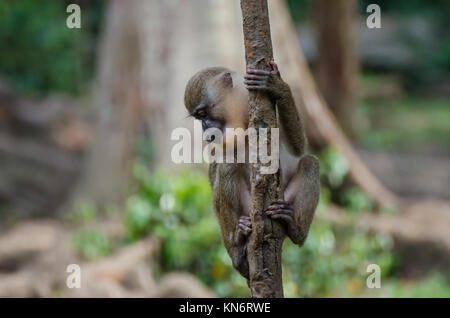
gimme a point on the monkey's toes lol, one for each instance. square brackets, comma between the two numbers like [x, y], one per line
[245, 230]
[279, 205]
[279, 212]
[245, 220]
[245, 225]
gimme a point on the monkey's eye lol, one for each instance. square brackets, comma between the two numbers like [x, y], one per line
[201, 113]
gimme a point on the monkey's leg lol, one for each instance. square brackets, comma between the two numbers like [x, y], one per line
[231, 200]
[235, 231]
[301, 198]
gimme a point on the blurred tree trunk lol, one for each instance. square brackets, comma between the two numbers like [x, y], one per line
[337, 62]
[149, 51]
[120, 108]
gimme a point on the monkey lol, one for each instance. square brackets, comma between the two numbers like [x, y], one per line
[218, 97]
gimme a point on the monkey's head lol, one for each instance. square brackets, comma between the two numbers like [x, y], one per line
[217, 97]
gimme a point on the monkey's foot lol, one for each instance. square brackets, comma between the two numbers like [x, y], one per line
[280, 210]
[244, 226]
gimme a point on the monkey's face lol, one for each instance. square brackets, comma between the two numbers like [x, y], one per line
[220, 102]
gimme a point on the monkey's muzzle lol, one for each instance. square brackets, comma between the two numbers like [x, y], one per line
[213, 130]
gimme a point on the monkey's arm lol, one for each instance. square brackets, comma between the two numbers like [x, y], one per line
[291, 123]
[231, 202]
[290, 120]
[301, 198]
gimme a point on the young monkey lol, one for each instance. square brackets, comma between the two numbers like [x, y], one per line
[218, 98]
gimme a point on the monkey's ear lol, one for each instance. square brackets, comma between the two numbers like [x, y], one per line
[227, 79]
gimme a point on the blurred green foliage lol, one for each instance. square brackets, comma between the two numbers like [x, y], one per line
[333, 167]
[355, 200]
[434, 286]
[406, 123]
[39, 53]
[176, 207]
[333, 261]
[88, 241]
[333, 173]
[91, 243]
[298, 9]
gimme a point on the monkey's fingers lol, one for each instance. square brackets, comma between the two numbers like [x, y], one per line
[257, 87]
[254, 82]
[255, 77]
[258, 72]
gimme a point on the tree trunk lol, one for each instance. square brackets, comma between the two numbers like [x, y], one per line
[337, 61]
[266, 240]
[117, 94]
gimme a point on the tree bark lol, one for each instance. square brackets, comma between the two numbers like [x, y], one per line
[266, 240]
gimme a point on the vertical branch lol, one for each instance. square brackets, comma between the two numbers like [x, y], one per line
[265, 242]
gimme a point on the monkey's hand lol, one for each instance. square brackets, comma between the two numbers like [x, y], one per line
[282, 210]
[266, 81]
